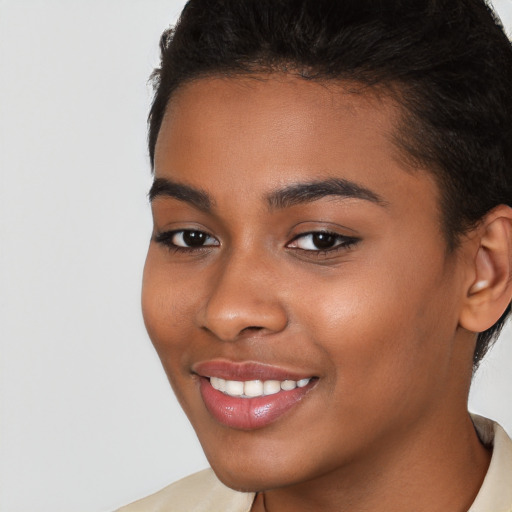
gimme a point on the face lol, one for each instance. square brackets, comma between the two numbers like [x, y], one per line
[297, 287]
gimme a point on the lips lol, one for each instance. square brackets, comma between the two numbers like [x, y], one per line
[250, 395]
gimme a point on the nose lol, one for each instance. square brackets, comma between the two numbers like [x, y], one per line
[243, 301]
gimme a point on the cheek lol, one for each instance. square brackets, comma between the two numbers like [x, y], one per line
[382, 333]
[164, 306]
[165, 312]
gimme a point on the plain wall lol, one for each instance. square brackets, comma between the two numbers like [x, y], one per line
[87, 419]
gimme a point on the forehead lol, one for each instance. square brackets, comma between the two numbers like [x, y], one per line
[278, 111]
[251, 135]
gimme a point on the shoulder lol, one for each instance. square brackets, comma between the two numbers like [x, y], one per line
[496, 492]
[200, 492]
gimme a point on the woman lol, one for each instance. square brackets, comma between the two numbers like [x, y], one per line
[332, 251]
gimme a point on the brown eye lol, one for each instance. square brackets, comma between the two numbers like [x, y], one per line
[323, 240]
[320, 241]
[186, 239]
[191, 238]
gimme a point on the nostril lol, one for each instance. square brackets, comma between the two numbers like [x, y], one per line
[251, 328]
[228, 317]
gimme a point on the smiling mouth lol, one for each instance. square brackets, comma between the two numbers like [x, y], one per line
[256, 388]
[252, 404]
[250, 395]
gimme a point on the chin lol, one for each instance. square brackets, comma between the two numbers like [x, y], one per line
[262, 469]
[251, 481]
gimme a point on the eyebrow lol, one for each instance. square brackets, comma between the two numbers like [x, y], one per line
[167, 188]
[291, 195]
[307, 192]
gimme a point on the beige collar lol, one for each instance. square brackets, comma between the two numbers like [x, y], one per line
[496, 492]
[203, 492]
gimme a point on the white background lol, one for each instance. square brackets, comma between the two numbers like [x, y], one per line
[87, 419]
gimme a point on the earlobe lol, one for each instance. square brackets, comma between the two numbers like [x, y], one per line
[490, 291]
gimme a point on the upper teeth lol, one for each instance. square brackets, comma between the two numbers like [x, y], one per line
[253, 388]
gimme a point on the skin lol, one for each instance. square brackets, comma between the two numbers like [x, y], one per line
[378, 322]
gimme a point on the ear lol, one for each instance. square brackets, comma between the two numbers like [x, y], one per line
[490, 289]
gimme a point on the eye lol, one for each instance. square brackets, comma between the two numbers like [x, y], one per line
[186, 239]
[192, 239]
[321, 241]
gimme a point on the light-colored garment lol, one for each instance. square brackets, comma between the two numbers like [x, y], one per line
[495, 495]
[200, 492]
[203, 492]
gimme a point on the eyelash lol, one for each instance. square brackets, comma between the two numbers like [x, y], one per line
[166, 239]
[342, 242]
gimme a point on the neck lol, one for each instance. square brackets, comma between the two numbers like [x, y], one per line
[437, 467]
